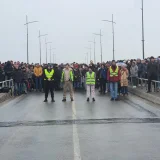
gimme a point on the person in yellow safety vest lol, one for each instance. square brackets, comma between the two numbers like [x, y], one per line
[67, 79]
[48, 83]
[113, 76]
[90, 83]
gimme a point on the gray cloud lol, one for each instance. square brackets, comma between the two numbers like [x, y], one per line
[70, 24]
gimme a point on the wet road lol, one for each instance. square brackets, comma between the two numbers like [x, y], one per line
[104, 130]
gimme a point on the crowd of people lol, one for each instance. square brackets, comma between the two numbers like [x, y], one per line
[112, 76]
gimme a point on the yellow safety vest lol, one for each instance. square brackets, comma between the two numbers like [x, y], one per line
[90, 79]
[49, 74]
[71, 76]
[115, 73]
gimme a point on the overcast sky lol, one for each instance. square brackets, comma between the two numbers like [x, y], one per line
[70, 24]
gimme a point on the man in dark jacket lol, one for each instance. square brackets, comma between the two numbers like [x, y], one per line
[17, 79]
[24, 79]
[57, 77]
[102, 76]
[140, 68]
[158, 71]
[77, 78]
[152, 73]
[2, 77]
[8, 69]
[144, 74]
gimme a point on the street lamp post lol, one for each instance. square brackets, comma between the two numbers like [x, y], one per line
[46, 48]
[90, 48]
[54, 58]
[87, 57]
[50, 52]
[94, 42]
[100, 42]
[27, 35]
[143, 31]
[40, 44]
[112, 33]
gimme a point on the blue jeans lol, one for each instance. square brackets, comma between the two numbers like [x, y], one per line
[124, 90]
[17, 89]
[114, 89]
[38, 83]
[76, 84]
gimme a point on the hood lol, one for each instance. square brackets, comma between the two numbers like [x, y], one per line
[70, 69]
[8, 64]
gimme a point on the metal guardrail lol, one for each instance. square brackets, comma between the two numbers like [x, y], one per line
[7, 83]
[142, 82]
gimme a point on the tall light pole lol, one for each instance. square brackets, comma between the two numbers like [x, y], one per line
[143, 31]
[100, 42]
[51, 52]
[46, 48]
[94, 42]
[112, 33]
[90, 48]
[54, 58]
[27, 23]
[87, 57]
[40, 44]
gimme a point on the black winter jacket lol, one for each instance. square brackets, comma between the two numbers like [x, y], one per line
[17, 76]
[152, 69]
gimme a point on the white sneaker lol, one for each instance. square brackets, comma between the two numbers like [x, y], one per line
[134, 87]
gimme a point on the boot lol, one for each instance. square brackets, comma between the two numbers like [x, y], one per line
[45, 100]
[112, 99]
[117, 99]
[64, 100]
[87, 99]
[93, 99]
[52, 100]
[72, 99]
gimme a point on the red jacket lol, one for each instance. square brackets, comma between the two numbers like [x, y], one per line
[114, 78]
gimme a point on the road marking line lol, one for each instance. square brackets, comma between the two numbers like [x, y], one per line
[77, 154]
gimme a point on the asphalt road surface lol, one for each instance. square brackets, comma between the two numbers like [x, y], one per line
[103, 130]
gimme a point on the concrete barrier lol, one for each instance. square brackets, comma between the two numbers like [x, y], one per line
[148, 96]
[4, 97]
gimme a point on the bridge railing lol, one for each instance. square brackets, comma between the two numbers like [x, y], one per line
[7, 84]
[143, 83]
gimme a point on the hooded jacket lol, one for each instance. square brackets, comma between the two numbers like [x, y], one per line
[17, 76]
[2, 77]
[8, 69]
[134, 71]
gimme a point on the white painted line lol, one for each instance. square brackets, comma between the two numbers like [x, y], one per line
[76, 146]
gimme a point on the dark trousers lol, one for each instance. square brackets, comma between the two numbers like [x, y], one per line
[49, 86]
[150, 78]
[57, 85]
[103, 85]
[38, 81]
[124, 90]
